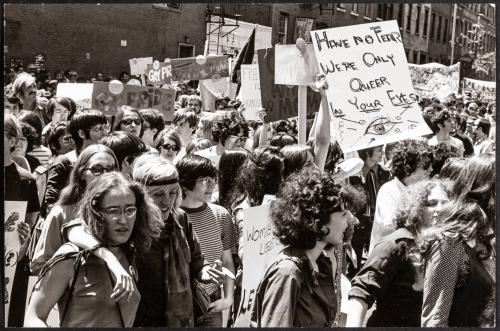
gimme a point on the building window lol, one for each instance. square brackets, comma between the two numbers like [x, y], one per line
[408, 18]
[177, 7]
[400, 15]
[354, 8]
[422, 58]
[417, 23]
[430, 59]
[440, 21]
[185, 50]
[426, 22]
[433, 21]
[380, 10]
[282, 28]
[389, 14]
[368, 10]
[415, 57]
[445, 32]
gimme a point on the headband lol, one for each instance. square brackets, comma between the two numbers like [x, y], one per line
[162, 182]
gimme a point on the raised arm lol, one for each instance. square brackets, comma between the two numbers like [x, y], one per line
[322, 128]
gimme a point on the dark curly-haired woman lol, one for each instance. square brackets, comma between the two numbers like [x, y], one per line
[311, 216]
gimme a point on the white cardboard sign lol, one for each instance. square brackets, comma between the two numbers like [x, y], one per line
[81, 93]
[250, 91]
[370, 92]
[295, 65]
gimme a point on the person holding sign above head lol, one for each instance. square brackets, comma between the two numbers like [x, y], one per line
[312, 218]
[118, 212]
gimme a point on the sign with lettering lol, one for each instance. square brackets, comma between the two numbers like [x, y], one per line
[81, 93]
[139, 66]
[250, 91]
[200, 68]
[280, 101]
[486, 90]
[159, 73]
[260, 248]
[434, 79]
[15, 213]
[370, 92]
[295, 64]
[107, 97]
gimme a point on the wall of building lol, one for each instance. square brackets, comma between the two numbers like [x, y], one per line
[64, 34]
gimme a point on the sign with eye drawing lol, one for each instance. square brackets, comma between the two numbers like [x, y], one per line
[370, 92]
[15, 213]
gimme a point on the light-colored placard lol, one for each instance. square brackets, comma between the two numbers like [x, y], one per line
[212, 89]
[200, 68]
[81, 93]
[487, 90]
[138, 66]
[370, 92]
[250, 91]
[260, 248]
[434, 79]
[295, 65]
[107, 97]
[15, 213]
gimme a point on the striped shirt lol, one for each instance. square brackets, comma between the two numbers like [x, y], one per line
[42, 153]
[216, 231]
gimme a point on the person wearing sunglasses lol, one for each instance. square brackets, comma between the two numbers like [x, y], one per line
[169, 145]
[411, 162]
[94, 161]
[128, 119]
[119, 214]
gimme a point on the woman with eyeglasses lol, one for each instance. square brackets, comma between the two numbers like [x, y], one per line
[169, 145]
[128, 119]
[93, 161]
[119, 214]
[311, 219]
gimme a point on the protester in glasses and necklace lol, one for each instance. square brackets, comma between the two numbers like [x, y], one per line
[169, 145]
[94, 161]
[119, 214]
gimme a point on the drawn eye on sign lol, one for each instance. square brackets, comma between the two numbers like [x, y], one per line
[10, 258]
[11, 222]
[380, 126]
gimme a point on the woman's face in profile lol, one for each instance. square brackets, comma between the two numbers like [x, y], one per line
[434, 203]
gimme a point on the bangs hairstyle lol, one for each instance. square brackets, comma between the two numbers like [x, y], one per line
[408, 214]
[147, 219]
[154, 118]
[150, 168]
[185, 115]
[23, 80]
[72, 193]
[193, 167]
[53, 135]
[84, 120]
[169, 135]
[119, 118]
[303, 207]
[66, 102]
[126, 146]
[295, 157]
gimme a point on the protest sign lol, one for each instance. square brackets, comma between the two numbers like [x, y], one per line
[81, 93]
[139, 66]
[107, 97]
[212, 89]
[200, 67]
[15, 213]
[260, 248]
[303, 27]
[485, 89]
[250, 91]
[434, 79]
[280, 101]
[370, 91]
[295, 64]
[159, 72]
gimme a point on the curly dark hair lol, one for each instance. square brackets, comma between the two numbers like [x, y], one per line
[440, 117]
[440, 153]
[304, 205]
[282, 139]
[407, 155]
[231, 124]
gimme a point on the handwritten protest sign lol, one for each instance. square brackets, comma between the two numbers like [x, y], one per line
[139, 66]
[487, 90]
[280, 101]
[260, 247]
[370, 91]
[159, 73]
[250, 91]
[81, 93]
[295, 64]
[200, 67]
[107, 97]
[15, 213]
[435, 80]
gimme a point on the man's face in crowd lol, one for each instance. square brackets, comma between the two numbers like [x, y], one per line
[73, 75]
[194, 105]
[184, 130]
[377, 154]
[98, 131]
[448, 125]
[148, 134]
[477, 132]
[29, 92]
[125, 78]
[32, 70]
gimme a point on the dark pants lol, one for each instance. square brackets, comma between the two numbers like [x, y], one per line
[19, 293]
[212, 319]
[361, 239]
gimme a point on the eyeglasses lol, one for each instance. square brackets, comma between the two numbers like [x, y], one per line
[115, 212]
[67, 139]
[173, 148]
[129, 121]
[98, 169]
[101, 128]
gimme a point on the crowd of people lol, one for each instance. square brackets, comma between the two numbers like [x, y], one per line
[135, 221]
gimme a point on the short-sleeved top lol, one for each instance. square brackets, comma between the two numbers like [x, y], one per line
[216, 231]
[291, 294]
[20, 185]
[389, 277]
